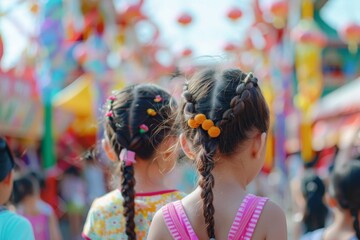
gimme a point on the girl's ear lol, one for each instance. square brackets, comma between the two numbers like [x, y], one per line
[9, 178]
[108, 150]
[330, 201]
[186, 147]
[259, 146]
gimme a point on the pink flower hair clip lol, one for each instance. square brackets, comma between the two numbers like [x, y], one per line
[109, 114]
[111, 98]
[158, 99]
[143, 128]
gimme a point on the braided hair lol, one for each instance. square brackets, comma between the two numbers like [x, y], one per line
[137, 120]
[234, 102]
[345, 187]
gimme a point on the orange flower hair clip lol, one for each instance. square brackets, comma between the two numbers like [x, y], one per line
[206, 124]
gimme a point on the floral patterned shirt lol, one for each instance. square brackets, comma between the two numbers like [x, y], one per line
[105, 219]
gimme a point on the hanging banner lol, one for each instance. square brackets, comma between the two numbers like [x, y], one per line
[21, 111]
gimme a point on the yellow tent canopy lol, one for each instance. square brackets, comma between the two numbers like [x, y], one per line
[78, 99]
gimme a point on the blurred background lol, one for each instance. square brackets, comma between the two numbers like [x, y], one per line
[60, 59]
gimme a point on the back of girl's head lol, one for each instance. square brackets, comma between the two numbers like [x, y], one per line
[23, 187]
[345, 187]
[138, 121]
[233, 101]
[313, 190]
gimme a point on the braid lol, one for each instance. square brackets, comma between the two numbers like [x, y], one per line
[355, 213]
[128, 193]
[128, 180]
[237, 103]
[205, 166]
[207, 181]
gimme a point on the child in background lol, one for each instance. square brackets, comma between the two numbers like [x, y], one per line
[344, 200]
[138, 133]
[315, 210]
[26, 198]
[73, 191]
[12, 226]
[44, 207]
[224, 120]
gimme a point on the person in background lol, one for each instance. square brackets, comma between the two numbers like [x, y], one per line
[315, 212]
[12, 226]
[73, 191]
[44, 207]
[138, 135]
[224, 120]
[94, 178]
[344, 200]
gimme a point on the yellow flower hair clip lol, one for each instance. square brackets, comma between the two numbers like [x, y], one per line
[151, 112]
[206, 124]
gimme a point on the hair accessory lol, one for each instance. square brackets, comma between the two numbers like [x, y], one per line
[151, 112]
[206, 124]
[143, 128]
[127, 156]
[158, 99]
[248, 77]
[200, 118]
[112, 98]
[109, 114]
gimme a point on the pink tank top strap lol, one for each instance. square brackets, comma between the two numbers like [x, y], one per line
[177, 222]
[247, 217]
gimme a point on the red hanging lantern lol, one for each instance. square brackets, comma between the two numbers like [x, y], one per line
[186, 52]
[184, 19]
[234, 14]
[351, 34]
[230, 47]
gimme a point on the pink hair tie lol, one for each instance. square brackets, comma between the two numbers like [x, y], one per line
[127, 156]
[109, 114]
[112, 98]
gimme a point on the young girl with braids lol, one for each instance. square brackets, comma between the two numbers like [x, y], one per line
[344, 199]
[138, 133]
[224, 120]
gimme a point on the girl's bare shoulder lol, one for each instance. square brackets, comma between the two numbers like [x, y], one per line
[272, 223]
[158, 229]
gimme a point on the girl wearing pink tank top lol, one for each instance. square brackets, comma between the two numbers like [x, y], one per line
[224, 119]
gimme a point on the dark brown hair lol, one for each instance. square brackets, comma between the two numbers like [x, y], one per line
[345, 187]
[234, 102]
[128, 112]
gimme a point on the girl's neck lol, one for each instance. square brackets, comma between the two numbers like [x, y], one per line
[229, 175]
[29, 208]
[148, 177]
[341, 228]
[343, 219]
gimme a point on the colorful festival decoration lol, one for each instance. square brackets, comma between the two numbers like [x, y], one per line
[234, 14]
[279, 11]
[184, 19]
[351, 34]
[309, 44]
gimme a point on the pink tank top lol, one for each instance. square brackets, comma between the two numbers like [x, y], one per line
[242, 228]
[40, 224]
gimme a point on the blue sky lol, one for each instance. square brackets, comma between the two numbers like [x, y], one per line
[207, 34]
